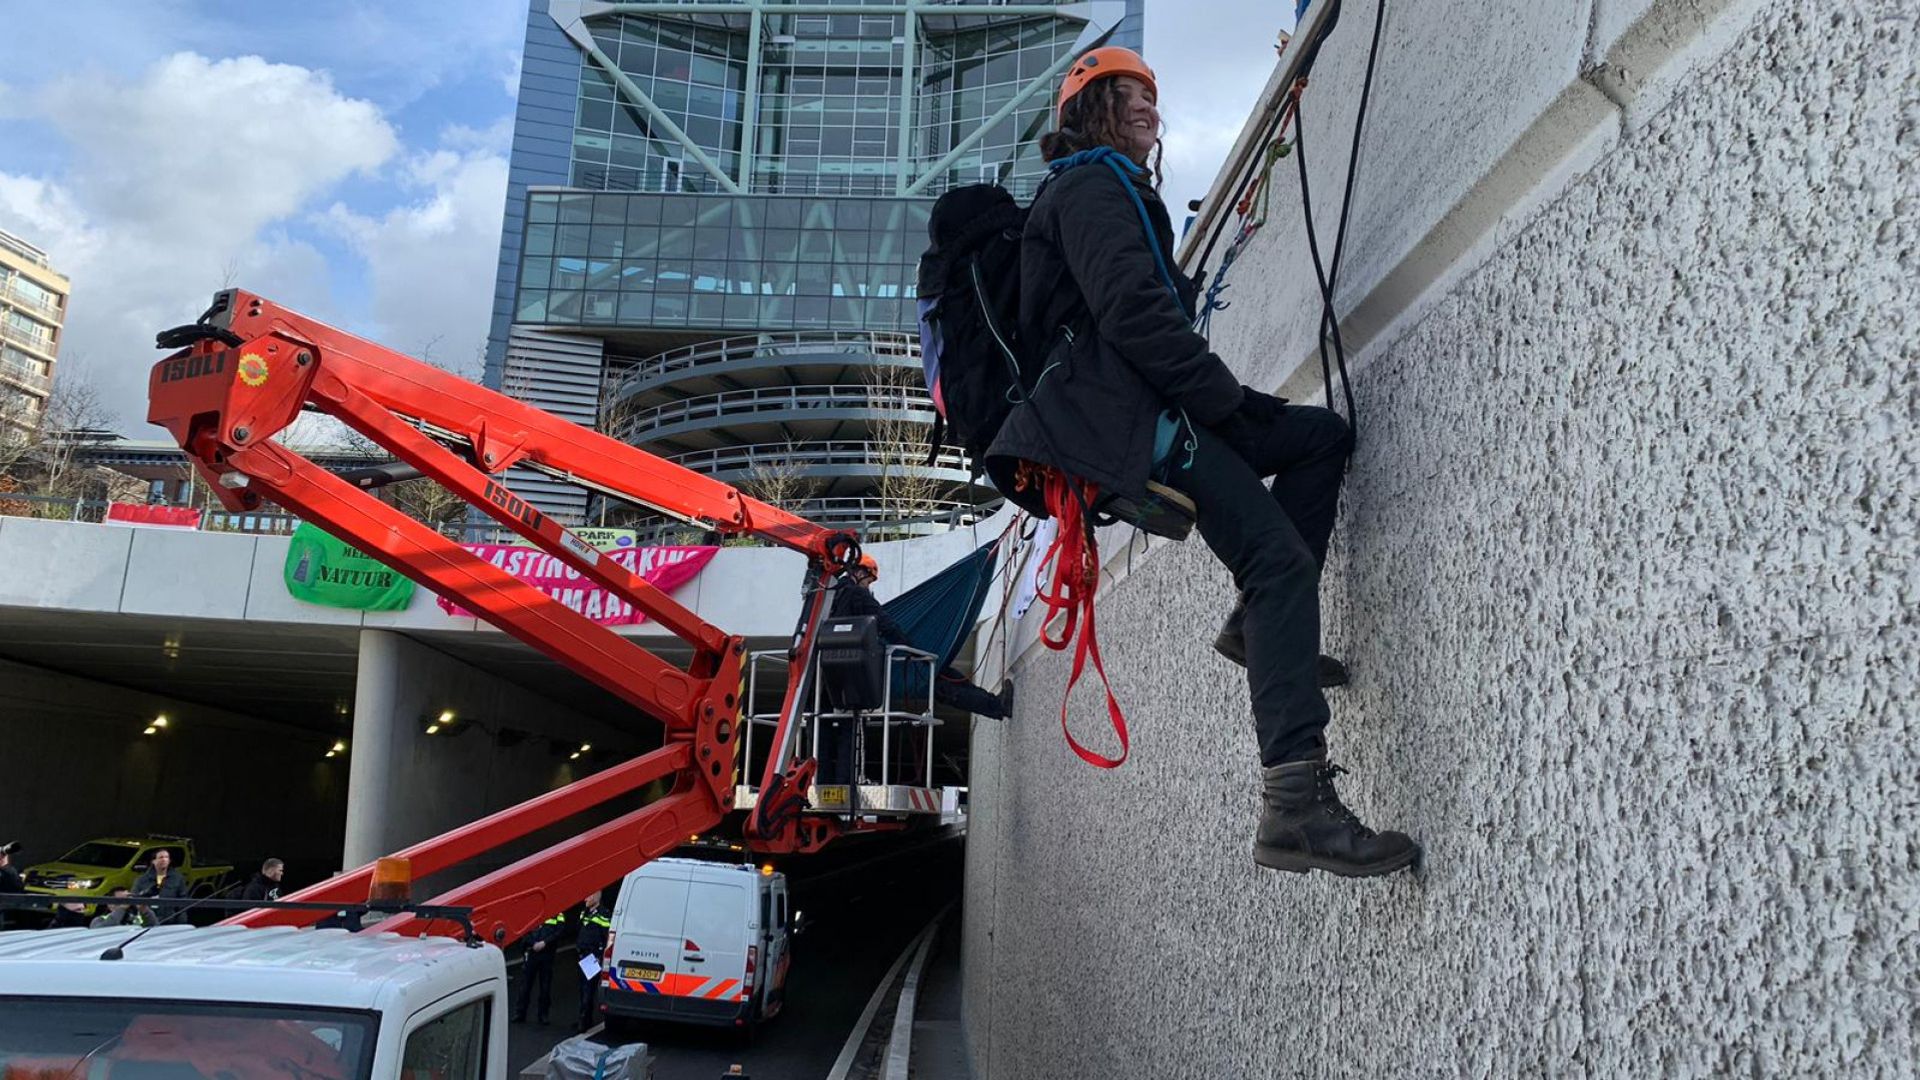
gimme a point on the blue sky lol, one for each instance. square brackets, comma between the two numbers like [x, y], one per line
[348, 159]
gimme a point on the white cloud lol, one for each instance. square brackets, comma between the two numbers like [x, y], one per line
[1209, 82]
[511, 78]
[179, 180]
[431, 262]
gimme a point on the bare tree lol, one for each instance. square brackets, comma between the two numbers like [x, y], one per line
[779, 479]
[41, 455]
[907, 490]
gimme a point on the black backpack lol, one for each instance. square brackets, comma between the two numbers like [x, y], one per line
[969, 301]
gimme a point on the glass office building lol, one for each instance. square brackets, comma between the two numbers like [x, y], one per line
[715, 213]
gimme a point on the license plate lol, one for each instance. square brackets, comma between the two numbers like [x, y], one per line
[832, 796]
[643, 972]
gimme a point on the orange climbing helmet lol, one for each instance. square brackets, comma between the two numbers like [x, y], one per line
[1104, 63]
[869, 567]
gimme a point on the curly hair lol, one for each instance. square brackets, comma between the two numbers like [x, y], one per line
[1093, 118]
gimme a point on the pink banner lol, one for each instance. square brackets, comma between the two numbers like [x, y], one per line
[665, 568]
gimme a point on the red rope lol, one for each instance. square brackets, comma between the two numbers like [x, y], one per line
[1075, 558]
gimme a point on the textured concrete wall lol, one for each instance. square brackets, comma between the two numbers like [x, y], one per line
[1627, 577]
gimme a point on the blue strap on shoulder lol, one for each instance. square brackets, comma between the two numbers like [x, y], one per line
[1125, 170]
[1167, 428]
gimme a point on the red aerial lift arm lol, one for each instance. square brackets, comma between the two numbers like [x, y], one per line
[243, 374]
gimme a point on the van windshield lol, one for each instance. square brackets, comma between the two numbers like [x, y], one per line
[94, 1039]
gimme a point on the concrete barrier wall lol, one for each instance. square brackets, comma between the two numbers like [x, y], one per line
[69, 566]
[1625, 574]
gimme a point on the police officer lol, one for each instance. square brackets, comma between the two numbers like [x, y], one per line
[540, 947]
[595, 924]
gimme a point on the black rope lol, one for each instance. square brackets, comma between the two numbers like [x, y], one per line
[1328, 278]
[1279, 116]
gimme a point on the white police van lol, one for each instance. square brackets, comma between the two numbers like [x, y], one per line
[182, 1004]
[699, 943]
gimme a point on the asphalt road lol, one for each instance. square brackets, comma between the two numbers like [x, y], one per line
[863, 907]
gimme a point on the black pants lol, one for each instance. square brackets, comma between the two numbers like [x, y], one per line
[952, 688]
[539, 966]
[1275, 544]
[837, 751]
[588, 988]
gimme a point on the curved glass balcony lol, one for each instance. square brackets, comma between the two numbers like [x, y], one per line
[785, 405]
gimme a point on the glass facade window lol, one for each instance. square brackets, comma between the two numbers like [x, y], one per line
[828, 100]
[721, 263]
[695, 74]
[968, 77]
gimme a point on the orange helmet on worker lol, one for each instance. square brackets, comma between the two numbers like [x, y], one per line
[1111, 95]
[1104, 63]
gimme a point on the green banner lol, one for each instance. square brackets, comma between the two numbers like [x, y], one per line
[323, 570]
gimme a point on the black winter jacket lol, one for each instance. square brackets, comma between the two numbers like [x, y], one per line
[1111, 348]
[853, 600]
[261, 887]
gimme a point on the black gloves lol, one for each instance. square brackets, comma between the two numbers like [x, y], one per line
[1247, 427]
[1261, 408]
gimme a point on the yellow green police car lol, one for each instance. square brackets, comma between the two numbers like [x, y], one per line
[97, 867]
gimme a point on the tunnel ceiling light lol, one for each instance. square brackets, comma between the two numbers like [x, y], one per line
[160, 721]
[339, 747]
[150, 730]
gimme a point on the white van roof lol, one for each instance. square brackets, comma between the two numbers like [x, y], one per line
[232, 963]
[682, 869]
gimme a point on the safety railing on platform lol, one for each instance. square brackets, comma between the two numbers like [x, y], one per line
[903, 787]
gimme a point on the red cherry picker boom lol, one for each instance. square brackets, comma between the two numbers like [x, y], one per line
[249, 367]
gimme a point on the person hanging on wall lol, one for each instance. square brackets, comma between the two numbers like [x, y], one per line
[1141, 396]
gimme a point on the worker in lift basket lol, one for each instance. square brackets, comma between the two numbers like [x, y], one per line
[855, 598]
[1098, 290]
